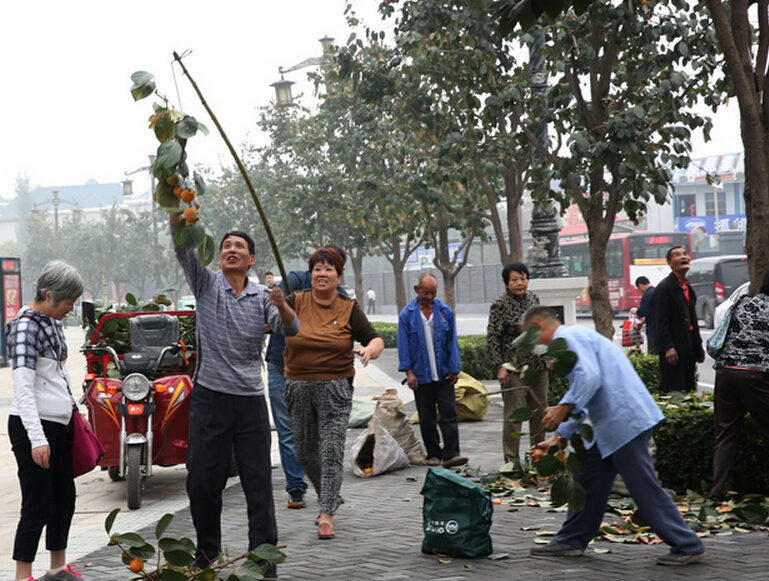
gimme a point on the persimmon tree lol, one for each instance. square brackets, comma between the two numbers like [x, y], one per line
[624, 84]
[742, 30]
[470, 76]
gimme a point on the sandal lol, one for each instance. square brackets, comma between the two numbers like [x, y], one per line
[326, 531]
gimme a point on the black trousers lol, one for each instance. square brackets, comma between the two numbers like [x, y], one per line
[737, 391]
[427, 396]
[219, 421]
[47, 494]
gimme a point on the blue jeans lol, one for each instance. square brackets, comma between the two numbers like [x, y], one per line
[291, 465]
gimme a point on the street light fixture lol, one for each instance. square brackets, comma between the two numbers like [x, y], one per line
[283, 97]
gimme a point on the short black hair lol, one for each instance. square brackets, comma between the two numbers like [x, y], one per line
[514, 266]
[268, 273]
[669, 255]
[641, 280]
[244, 236]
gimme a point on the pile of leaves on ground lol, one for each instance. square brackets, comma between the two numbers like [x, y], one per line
[518, 486]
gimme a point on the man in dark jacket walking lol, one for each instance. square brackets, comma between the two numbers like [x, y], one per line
[677, 334]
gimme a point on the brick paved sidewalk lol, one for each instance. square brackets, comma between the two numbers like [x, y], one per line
[379, 536]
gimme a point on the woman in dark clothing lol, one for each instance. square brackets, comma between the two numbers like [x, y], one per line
[742, 382]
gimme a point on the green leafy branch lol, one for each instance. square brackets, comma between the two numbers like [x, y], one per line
[176, 557]
[565, 459]
[173, 129]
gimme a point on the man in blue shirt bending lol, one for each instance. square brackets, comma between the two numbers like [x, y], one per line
[428, 351]
[605, 389]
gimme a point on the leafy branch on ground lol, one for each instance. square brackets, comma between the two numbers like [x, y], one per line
[176, 557]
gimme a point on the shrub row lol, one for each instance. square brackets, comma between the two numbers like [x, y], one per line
[685, 452]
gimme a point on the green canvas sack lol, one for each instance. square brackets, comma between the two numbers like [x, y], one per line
[456, 515]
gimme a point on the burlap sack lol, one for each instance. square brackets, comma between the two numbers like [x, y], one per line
[391, 415]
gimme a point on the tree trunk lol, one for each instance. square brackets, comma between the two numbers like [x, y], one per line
[600, 223]
[751, 85]
[447, 264]
[392, 251]
[513, 194]
[356, 258]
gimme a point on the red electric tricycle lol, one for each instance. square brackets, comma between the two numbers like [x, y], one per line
[137, 390]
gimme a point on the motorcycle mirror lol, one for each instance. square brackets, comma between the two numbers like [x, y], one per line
[89, 313]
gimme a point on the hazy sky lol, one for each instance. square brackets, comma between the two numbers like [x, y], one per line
[68, 114]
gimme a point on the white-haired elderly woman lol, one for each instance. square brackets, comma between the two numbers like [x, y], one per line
[38, 421]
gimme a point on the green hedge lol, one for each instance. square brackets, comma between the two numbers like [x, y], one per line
[388, 332]
[685, 452]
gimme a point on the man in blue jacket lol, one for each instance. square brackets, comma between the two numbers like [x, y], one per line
[428, 351]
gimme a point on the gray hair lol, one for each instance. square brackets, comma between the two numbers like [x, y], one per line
[61, 280]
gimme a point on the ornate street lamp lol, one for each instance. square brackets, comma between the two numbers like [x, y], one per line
[544, 226]
[283, 97]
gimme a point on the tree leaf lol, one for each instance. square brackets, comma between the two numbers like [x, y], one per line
[526, 341]
[565, 363]
[133, 540]
[207, 251]
[532, 377]
[131, 300]
[586, 432]
[164, 128]
[179, 558]
[193, 236]
[143, 85]
[549, 465]
[523, 414]
[200, 184]
[270, 553]
[168, 574]
[752, 513]
[110, 520]
[169, 154]
[145, 552]
[557, 347]
[187, 127]
[169, 544]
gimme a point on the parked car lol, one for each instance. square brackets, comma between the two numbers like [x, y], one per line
[714, 279]
[727, 304]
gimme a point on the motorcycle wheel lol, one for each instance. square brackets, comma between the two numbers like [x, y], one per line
[133, 476]
[114, 474]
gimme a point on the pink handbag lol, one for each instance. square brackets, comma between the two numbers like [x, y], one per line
[86, 448]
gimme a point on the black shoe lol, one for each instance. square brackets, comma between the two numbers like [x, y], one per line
[296, 499]
[556, 549]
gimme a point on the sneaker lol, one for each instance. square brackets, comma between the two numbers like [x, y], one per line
[433, 461]
[556, 549]
[677, 559]
[66, 574]
[296, 499]
[455, 461]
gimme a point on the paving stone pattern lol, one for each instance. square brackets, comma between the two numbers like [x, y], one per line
[379, 532]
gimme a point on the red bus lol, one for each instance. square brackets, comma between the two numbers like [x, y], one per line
[628, 256]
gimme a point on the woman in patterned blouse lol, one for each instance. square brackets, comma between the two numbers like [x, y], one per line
[742, 382]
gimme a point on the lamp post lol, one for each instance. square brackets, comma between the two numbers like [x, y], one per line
[544, 226]
[55, 202]
[283, 97]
